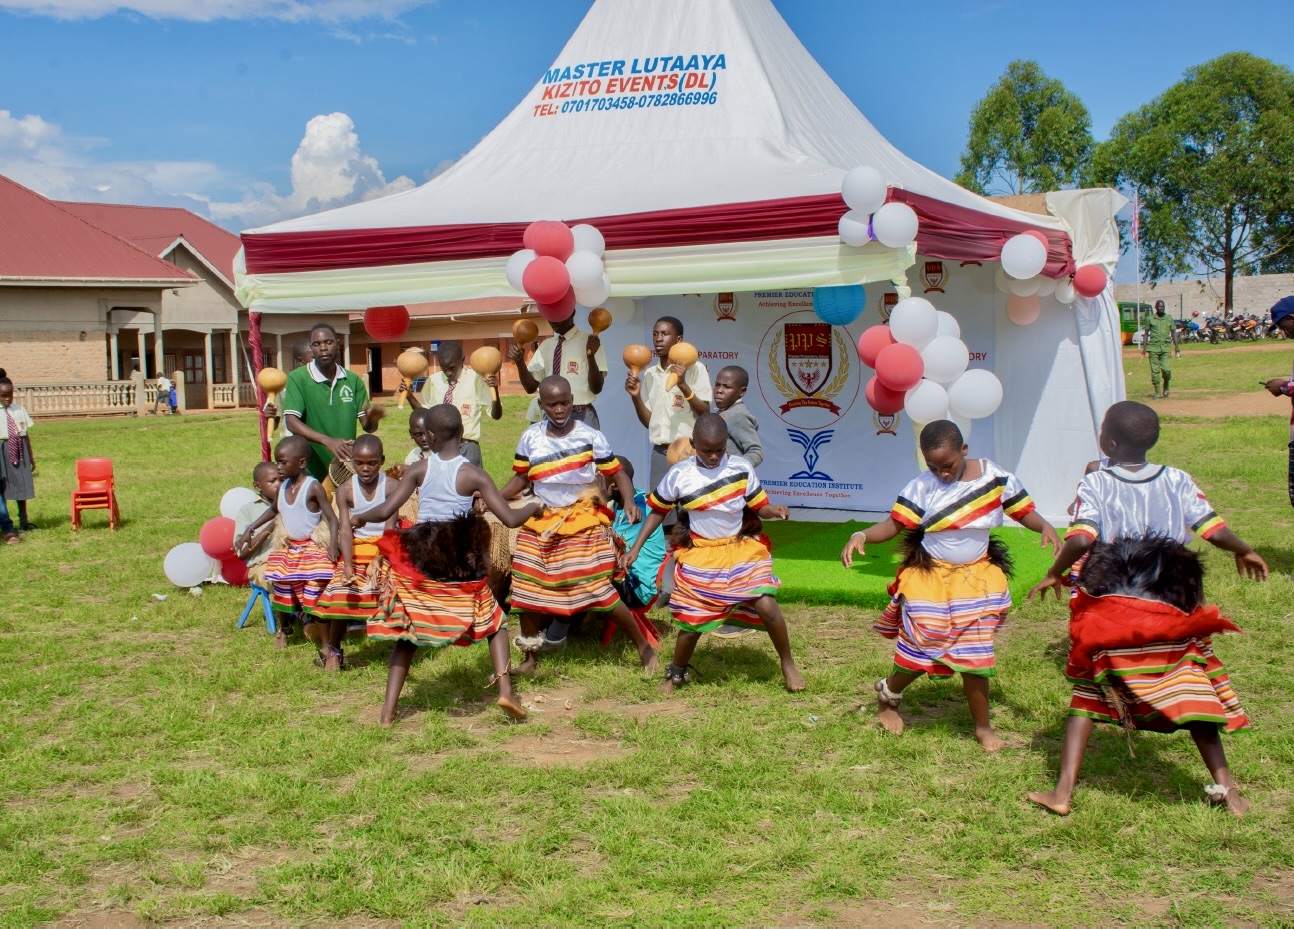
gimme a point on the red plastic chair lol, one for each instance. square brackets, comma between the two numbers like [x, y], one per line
[96, 489]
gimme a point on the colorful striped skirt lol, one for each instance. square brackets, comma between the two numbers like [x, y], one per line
[717, 581]
[1123, 674]
[433, 614]
[945, 619]
[564, 563]
[297, 575]
[354, 600]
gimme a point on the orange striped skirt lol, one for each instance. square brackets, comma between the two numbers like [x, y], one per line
[564, 563]
[297, 575]
[717, 581]
[354, 600]
[433, 614]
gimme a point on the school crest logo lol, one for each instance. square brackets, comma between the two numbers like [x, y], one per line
[807, 371]
[934, 276]
[467, 409]
[812, 450]
[345, 394]
[885, 424]
[572, 367]
[725, 307]
[887, 304]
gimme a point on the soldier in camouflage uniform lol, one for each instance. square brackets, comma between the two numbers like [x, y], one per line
[1160, 342]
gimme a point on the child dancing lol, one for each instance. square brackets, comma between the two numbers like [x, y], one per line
[723, 570]
[435, 588]
[950, 595]
[1141, 653]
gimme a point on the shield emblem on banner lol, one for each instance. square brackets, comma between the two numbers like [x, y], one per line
[888, 302]
[808, 355]
[934, 275]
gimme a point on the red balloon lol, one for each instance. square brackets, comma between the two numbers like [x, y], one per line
[1089, 280]
[899, 367]
[870, 343]
[558, 310]
[234, 571]
[546, 280]
[217, 538]
[1039, 236]
[386, 323]
[549, 238]
[881, 399]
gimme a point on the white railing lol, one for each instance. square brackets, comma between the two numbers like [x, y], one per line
[68, 399]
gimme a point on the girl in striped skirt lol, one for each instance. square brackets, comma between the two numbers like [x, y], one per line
[1141, 652]
[950, 595]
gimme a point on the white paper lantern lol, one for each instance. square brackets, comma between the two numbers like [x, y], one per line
[1065, 292]
[976, 394]
[1023, 256]
[1046, 286]
[517, 266]
[853, 228]
[588, 239]
[864, 190]
[946, 357]
[926, 402]
[895, 225]
[914, 322]
[948, 325]
[235, 499]
[1022, 288]
[187, 565]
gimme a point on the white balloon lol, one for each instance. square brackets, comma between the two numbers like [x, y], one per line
[234, 500]
[914, 321]
[585, 269]
[853, 228]
[1001, 281]
[1023, 256]
[517, 266]
[1026, 288]
[588, 239]
[620, 308]
[926, 402]
[593, 294]
[976, 394]
[864, 189]
[187, 565]
[946, 357]
[1046, 286]
[963, 424]
[1065, 292]
[895, 225]
[947, 325]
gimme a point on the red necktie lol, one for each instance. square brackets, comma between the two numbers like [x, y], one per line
[449, 391]
[557, 355]
[15, 440]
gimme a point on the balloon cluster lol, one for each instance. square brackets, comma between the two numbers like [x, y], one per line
[920, 363]
[1020, 277]
[559, 267]
[864, 190]
[191, 563]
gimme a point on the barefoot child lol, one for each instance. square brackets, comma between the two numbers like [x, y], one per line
[722, 572]
[351, 595]
[565, 558]
[950, 595]
[1140, 648]
[435, 574]
[15, 446]
[299, 572]
[743, 439]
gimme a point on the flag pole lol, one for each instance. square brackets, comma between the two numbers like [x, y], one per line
[1136, 247]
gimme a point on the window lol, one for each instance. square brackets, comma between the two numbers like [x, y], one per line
[193, 368]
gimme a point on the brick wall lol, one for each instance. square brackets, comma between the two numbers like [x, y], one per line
[53, 356]
[1254, 294]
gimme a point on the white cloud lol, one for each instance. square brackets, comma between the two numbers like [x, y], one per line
[329, 11]
[328, 170]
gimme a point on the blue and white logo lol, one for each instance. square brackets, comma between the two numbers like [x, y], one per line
[811, 445]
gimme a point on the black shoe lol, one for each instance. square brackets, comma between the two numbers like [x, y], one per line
[28, 527]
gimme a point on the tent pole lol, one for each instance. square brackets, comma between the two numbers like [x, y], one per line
[258, 362]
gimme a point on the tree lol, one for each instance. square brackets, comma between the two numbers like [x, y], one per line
[1213, 161]
[1029, 134]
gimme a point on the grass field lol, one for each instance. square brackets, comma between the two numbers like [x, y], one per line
[158, 766]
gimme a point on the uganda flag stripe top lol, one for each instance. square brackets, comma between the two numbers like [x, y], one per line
[561, 468]
[716, 497]
[1153, 500]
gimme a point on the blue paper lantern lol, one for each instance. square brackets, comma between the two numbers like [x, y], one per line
[839, 306]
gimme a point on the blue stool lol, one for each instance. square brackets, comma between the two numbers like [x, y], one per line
[263, 595]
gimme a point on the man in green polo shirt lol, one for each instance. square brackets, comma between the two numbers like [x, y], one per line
[1160, 342]
[324, 402]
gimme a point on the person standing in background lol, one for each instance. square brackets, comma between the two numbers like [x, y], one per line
[570, 353]
[1160, 340]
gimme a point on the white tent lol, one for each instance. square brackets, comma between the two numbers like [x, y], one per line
[708, 147]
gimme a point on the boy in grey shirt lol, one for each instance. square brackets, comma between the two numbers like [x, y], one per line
[743, 439]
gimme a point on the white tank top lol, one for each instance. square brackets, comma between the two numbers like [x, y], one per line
[438, 498]
[359, 504]
[298, 521]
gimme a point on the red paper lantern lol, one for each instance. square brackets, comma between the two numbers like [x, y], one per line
[870, 343]
[1089, 280]
[899, 367]
[550, 239]
[217, 538]
[546, 280]
[386, 323]
[558, 310]
[881, 399]
[234, 571]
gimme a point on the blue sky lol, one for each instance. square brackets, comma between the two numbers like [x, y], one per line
[204, 103]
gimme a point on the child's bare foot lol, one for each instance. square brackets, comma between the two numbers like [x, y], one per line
[666, 688]
[281, 639]
[509, 704]
[889, 718]
[647, 655]
[528, 665]
[1230, 798]
[1051, 800]
[794, 683]
[386, 721]
[988, 740]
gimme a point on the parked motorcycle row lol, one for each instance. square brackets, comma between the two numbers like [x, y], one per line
[1240, 327]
